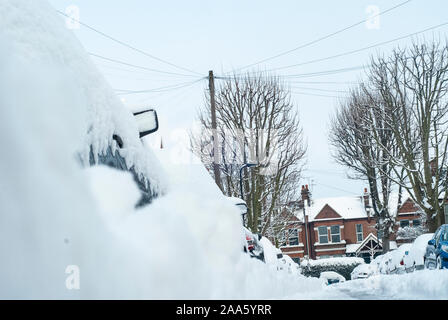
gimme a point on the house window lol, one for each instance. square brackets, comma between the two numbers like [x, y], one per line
[359, 235]
[335, 234]
[293, 237]
[323, 234]
[416, 222]
[404, 223]
[282, 238]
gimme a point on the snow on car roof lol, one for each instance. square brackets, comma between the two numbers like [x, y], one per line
[331, 275]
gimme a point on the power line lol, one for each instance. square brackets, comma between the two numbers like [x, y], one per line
[359, 50]
[317, 89]
[137, 66]
[254, 75]
[314, 94]
[323, 82]
[127, 45]
[324, 37]
[160, 89]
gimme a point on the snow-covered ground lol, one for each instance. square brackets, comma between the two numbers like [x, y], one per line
[419, 285]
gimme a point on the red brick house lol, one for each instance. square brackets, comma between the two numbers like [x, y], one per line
[340, 226]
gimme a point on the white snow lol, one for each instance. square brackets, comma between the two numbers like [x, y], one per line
[425, 284]
[417, 250]
[347, 207]
[334, 261]
[54, 214]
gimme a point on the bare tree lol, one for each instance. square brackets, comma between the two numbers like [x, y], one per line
[412, 84]
[257, 123]
[354, 129]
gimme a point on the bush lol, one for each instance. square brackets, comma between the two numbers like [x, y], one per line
[344, 266]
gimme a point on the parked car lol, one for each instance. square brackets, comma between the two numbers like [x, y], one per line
[281, 261]
[331, 277]
[385, 261]
[292, 267]
[285, 263]
[114, 155]
[396, 262]
[415, 259]
[363, 271]
[436, 255]
[252, 243]
[375, 264]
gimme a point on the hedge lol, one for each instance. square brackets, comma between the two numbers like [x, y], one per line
[344, 266]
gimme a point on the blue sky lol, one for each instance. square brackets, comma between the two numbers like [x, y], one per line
[226, 35]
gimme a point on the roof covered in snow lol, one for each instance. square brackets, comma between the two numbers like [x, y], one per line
[346, 207]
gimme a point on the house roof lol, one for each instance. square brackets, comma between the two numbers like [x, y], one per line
[346, 207]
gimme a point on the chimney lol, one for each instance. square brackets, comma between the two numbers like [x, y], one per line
[366, 198]
[367, 206]
[305, 195]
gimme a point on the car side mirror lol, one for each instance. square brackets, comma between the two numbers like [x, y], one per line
[147, 122]
[432, 242]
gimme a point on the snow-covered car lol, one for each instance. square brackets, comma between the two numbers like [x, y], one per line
[285, 263]
[292, 267]
[375, 264]
[281, 261]
[363, 271]
[385, 261]
[115, 153]
[436, 255]
[331, 277]
[415, 259]
[252, 243]
[396, 262]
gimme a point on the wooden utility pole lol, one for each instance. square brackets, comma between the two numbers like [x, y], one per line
[211, 85]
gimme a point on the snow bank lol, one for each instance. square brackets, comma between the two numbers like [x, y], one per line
[68, 232]
[425, 284]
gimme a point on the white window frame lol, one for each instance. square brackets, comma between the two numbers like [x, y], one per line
[359, 233]
[335, 234]
[297, 236]
[319, 235]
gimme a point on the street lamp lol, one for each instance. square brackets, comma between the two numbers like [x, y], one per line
[246, 165]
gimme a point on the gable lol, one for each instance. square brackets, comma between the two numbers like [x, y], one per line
[408, 207]
[370, 243]
[327, 212]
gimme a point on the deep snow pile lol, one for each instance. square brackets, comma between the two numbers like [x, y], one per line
[55, 215]
[425, 284]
